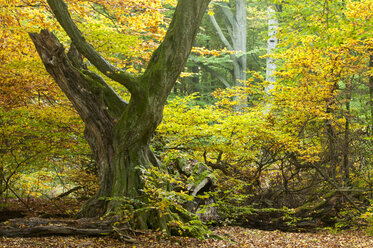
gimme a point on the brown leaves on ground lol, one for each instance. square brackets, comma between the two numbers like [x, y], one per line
[235, 237]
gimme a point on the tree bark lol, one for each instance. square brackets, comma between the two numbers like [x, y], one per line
[119, 133]
[346, 142]
[371, 95]
[36, 227]
[236, 25]
[271, 45]
[89, 95]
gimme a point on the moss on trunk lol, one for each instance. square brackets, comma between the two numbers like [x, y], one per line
[119, 133]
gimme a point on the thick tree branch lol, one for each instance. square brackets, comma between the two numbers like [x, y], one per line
[220, 33]
[62, 14]
[81, 86]
[236, 26]
[212, 72]
[231, 24]
[226, 43]
[169, 59]
[230, 20]
[336, 187]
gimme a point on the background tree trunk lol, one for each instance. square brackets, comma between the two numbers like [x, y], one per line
[271, 45]
[371, 95]
[236, 25]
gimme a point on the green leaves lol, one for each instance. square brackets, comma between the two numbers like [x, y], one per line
[39, 141]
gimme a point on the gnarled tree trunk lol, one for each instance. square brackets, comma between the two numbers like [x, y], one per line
[119, 133]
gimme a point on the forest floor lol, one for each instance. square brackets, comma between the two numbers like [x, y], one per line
[233, 236]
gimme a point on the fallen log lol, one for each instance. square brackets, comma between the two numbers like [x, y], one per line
[69, 192]
[52, 230]
[308, 217]
[35, 227]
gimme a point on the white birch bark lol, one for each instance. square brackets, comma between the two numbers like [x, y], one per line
[271, 45]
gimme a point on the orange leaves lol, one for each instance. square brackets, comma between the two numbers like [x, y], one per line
[323, 58]
[136, 27]
[360, 11]
[232, 98]
[190, 130]
[22, 77]
[208, 52]
[139, 18]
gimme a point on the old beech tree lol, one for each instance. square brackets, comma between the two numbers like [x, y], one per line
[118, 132]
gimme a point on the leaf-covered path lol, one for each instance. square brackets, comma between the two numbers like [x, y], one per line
[241, 237]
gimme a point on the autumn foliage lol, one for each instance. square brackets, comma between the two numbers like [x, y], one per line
[310, 138]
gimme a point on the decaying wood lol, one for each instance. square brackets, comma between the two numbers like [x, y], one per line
[69, 192]
[307, 217]
[34, 227]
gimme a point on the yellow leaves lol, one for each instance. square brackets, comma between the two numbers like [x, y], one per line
[330, 47]
[215, 129]
[22, 75]
[210, 10]
[202, 51]
[104, 23]
[314, 63]
[367, 215]
[211, 6]
[187, 74]
[360, 10]
[232, 97]
[37, 184]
